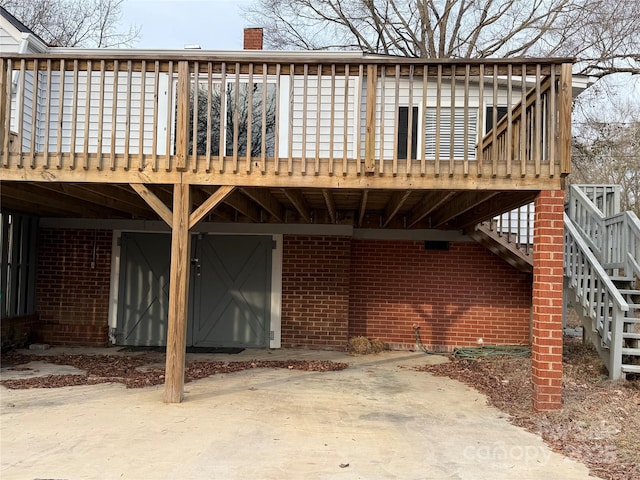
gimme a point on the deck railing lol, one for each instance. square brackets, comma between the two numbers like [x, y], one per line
[263, 115]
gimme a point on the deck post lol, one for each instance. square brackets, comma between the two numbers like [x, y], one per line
[565, 98]
[182, 116]
[546, 348]
[178, 292]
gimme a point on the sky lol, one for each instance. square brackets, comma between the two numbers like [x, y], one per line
[169, 24]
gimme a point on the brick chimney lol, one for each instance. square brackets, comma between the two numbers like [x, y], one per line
[253, 38]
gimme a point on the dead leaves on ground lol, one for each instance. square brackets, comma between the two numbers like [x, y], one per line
[598, 425]
[141, 371]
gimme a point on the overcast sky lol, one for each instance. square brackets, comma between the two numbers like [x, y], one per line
[212, 24]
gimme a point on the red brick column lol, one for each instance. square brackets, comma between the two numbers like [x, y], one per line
[546, 354]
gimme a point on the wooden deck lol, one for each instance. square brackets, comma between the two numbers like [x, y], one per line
[318, 123]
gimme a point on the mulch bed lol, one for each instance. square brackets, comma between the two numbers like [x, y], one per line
[139, 371]
[599, 424]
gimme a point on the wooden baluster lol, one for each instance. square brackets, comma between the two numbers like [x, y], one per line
[494, 140]
[34, 113]
[551, 127]
[305, 87]
[370, 120]
[223, 114]
[87, 114]
[47, 123]
[291, 106]
[170, 97]
[101, 113]
[127, 120]
[523, 123]
[481, 122]
[114, 117]
[423, 130]
[452, 119]
[538, 122]
[6, 79]
[209, 111]
[60, 128]
[410, 122]
[383, 76]
[263, 138]
[156, 88]
[345, 137]
[249, 101]
[276, 147]
[465, 155]
[316, 169]
[396, 124]
[509, 138]
[438, 118]
[332, 120]
[195, 107]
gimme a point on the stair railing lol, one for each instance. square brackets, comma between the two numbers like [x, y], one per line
[596, 294]
[588, 218]
[614, 237]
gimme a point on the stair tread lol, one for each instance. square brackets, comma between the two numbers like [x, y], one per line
[631, 368]
[627, 291]
[631, 351]
[635, 336]
[616, 278]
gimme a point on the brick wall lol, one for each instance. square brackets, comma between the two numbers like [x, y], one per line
[546, 348]
[455, 296]
[315, 291]
[72, 297]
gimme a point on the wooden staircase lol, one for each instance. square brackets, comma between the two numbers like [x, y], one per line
[602, 249]
[504, 245]
[602, 267]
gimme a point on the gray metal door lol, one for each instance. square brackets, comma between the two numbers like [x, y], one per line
[143, 295]
[231, 291]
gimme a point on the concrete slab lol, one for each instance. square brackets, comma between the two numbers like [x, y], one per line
[37, 369]
[378, 419]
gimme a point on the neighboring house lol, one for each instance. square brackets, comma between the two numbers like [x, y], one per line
[353, 214]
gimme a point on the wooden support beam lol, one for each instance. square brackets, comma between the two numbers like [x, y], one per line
[462, 202]
[123, 196]
[43, 196]
[178, 295]
[154, 202]
[396, 202]
[298, 201]
[182, 116]
[564, 118]
[429, 203]
[363, 207]
[96, 196]
[501, 203]
[215, 198]
[331, 204]
[244, 206]
[267, 201]
[370, 132]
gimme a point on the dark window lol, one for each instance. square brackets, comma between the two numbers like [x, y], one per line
[403, 132]
[502, 112]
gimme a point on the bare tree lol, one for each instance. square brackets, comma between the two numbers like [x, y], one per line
[603, 34]
[606, 149]
[75, 23]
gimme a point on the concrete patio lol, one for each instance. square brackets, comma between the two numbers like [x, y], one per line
[378, 419]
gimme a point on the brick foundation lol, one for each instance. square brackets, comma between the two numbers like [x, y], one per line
[455, 296]
[315, 291]
[546, 354]
[18, 332]
[72, 295]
